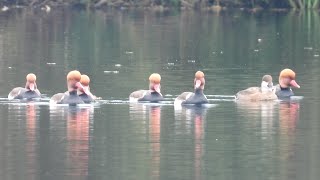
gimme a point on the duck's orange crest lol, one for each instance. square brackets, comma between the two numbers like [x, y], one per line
[155, 78]
[287, 73]
[31, 77]
[85, 80]
[74, 75]
[199, 75]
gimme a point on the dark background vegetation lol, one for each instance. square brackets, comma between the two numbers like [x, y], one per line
[163, 4]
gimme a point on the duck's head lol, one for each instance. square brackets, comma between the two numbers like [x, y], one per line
[266, 83]
[73, 80]
[85, 81]
[154, 84]
[287, 78]
[31, 82]
[199, 80]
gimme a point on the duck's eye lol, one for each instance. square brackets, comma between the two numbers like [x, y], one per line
[287, 80]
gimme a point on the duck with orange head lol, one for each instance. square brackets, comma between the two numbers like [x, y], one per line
[71, 96]
[286, 81]
[29, 92]
[194, 98]
[85, 93]
[152, 95]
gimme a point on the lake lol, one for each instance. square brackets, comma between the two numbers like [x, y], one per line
[115, 139]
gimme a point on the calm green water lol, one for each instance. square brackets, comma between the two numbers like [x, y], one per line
[118, 140]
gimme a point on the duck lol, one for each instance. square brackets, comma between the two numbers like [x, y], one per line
[266, 92]
[194, 98]
[70, 97]
[85, 93]
[152, 95]
[29, 92]
[286, 81]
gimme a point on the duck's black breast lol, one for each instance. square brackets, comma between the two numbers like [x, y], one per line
[85, 98]
[197, 98]
[284, 93]
[28, 94]
[153, 97]
[72, 98]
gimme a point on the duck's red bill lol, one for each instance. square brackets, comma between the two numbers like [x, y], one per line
[198, 84]
[293, 83]
[79, 86]
[156, 87]
[31, 86]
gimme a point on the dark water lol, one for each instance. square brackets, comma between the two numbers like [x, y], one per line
[118, 140]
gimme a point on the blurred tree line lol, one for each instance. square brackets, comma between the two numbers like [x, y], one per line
[186, 4]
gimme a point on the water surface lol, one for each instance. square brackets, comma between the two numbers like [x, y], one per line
[119, 50]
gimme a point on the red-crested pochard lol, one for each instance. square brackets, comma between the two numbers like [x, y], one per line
[85, 93]
[151, 95]
[29, 92]
[197, 97]
[286, 81]
[265, 92]
[70, 97]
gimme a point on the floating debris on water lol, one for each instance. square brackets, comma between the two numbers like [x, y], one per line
[117, 65]
[221, 52]
[308, 48]
[9, 67]
[4, 8]
[213, 52]
[51, 63]
[259, 40]
[191, 61]
[316, 55]
[170, 64]
[129, 52]
[109, 72]
[256, 50]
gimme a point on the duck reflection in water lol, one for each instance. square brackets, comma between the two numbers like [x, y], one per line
[288, 116]
[26, 113]
[154, 134]
[197, 116]
[31, 126]
[259, 115]
[138, 111]
[77, 138]
[78, 141]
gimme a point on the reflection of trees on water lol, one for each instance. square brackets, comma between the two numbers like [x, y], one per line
[143, 42]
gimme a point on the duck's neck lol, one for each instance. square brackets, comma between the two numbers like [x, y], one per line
[284, 88]
[27, 86]
[73, 92]
[283, 84]
[198, 91]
